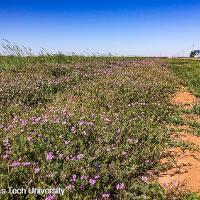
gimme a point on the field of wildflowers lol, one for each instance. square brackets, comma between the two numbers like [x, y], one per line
[93, 126]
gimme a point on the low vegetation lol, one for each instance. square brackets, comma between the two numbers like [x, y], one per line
[95, 126]
[189, 73]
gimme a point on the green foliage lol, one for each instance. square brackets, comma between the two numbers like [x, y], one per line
[191, 197]
[189, 73]
[196, 109]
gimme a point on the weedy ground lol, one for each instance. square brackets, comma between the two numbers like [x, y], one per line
[184, 132]
[96, 126]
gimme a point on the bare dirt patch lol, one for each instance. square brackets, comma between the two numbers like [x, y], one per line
[191, 139]
[186, 169]
[186, 172]
[184, 98]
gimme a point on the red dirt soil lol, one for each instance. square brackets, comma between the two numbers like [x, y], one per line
[184, 98]
[186, 172]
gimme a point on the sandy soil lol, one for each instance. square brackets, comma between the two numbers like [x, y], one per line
[186, 171]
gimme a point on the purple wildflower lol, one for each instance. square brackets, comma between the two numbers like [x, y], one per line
[74, 177]
[50, 197]
[147, 161]
[73, 130]
[124, 153]
[83, 177]
[67, 158]
[26, 164]
[36, 170]
[92, 181]
[105, 195]
[66, 142]
[5, 156]
[15, 164]
[97, 177]
[165, 184]
[49, 156]
[79, 156]
[6, 143]
[82, 187]
[24, 122]
[106, 120]
[120, 186]
[29, 138]
[70, 187]
[37, 119]
[81, 123]
[89, 123]
[144, 178]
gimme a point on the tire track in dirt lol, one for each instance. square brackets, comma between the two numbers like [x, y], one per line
[185, 173]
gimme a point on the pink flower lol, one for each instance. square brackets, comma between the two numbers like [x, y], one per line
[36, 170]
[92, 181]
[15, 164]
[67, 158]
[97, 177]
[66, 142]
[81, 187]
[6, 143]
[105, 195]
[37, 119]
[165, 184]
[74, 177]
[120, 186]
[26, 164]
[73, 130]
[81, 123]
[29, 138]
[70, 187]
[24, 122]
[83, 177]
[79, 157]
[123, 153]
[49, 156]
[144, 178]
[50, 197]
[89, 123]
[5, 156]
[106, 120]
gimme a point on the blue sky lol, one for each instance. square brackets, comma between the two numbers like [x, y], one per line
[127, 27]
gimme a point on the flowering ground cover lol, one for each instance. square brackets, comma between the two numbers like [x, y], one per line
[95, 127]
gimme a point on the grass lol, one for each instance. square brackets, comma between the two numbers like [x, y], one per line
[189, 73]
[94, 126]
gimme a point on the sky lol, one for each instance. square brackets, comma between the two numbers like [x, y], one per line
[119, 27]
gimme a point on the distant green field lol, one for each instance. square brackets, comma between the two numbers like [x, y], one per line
[189, 73]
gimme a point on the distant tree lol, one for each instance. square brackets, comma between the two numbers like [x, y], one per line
[194, 53]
